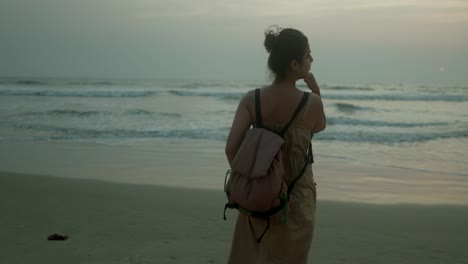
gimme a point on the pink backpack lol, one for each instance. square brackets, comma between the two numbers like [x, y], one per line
[257, 186]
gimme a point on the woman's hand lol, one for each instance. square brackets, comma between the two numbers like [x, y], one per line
[312, 83]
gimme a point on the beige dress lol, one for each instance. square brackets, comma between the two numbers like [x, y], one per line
[282, 243]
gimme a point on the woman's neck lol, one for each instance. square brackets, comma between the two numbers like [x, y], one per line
[285, 84]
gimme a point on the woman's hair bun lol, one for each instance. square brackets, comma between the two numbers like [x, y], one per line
[271, 37]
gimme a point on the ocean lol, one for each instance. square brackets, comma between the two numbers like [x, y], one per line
[418, 127]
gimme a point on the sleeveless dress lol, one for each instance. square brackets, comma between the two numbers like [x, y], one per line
[282, 243]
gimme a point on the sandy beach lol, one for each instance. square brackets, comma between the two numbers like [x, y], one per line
[129, 223]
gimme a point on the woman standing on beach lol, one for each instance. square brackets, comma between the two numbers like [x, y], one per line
[289, 61]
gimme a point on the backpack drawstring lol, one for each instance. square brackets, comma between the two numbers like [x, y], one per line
[285, 218]
[259, 239]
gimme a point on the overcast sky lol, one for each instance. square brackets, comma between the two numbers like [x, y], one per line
[421, 41]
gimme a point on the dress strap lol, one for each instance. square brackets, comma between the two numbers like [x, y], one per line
[305, 98]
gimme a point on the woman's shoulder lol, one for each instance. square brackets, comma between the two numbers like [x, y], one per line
[315, 103]
[252, 91]
[315, 116]
[249, 96]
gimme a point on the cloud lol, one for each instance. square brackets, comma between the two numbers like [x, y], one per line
[258, 8]
[143, 37]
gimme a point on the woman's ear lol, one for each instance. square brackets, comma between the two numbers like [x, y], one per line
[294, 65]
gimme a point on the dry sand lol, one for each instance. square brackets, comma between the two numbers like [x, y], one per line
[124, 223]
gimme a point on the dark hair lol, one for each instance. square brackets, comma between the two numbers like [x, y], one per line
[284, 46]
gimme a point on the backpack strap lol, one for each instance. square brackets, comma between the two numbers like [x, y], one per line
[258, 109]
[305, 98]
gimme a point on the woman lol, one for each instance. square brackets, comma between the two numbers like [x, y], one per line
[289, 61]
